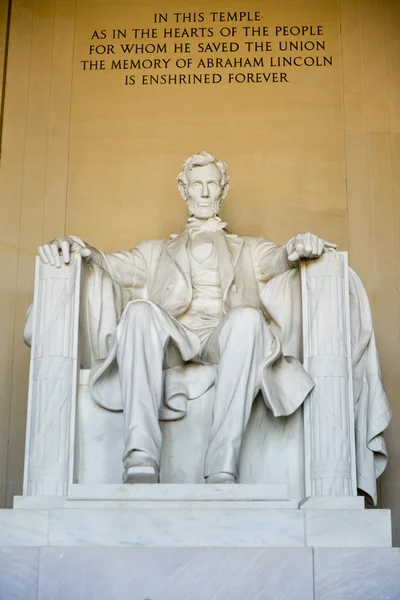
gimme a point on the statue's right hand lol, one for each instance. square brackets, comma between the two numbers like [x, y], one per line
[59, 251]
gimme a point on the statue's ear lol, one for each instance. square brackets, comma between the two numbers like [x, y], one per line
[182, 190]
[225, 191]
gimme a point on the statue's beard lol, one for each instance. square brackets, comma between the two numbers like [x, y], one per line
[210, 209]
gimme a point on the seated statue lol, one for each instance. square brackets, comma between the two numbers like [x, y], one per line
[207, 296]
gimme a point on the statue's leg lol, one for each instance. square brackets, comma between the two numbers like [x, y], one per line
[239, 346]
[143, 334]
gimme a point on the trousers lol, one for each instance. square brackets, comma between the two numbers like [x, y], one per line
[237, 346]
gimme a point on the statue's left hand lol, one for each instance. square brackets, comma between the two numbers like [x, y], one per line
[306, 245]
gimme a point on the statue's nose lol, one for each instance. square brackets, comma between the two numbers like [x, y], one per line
[204, 192]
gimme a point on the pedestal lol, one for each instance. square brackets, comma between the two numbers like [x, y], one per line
[197, 515]
[174, 542]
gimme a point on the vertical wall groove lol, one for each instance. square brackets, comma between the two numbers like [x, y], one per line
[11, 185]
[5, 21]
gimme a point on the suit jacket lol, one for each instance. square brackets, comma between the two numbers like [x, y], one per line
[159, 270]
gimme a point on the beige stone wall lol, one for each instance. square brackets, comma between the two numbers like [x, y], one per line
[371, 98]
[85, 154]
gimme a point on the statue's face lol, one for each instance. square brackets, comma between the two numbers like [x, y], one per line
[204, 191]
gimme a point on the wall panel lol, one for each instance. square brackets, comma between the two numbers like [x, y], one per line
[372, 169]
[11, 188]
[35, 145]
[374, 65]
[45, 186]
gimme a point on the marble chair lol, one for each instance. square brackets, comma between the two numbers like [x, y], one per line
[71, 439]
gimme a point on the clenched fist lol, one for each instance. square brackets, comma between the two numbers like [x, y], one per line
[306, 245]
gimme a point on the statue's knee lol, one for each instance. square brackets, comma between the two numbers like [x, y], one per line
[139, 310]
[247, 318]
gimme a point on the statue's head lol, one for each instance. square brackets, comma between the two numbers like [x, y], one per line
[203, 184]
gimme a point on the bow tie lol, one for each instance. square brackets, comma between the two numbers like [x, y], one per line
[196, 226]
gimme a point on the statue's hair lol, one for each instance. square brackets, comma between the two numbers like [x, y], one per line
[202, 159]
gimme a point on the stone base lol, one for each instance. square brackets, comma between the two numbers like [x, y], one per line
[182, 523]
[199, 573]
[174, 542]
[166, 496]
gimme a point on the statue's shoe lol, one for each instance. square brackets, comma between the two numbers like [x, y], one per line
[221, 478]
[140, 468]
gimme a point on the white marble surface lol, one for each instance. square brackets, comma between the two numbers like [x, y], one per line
[24, 527]
[357, 574]
[332, 502]
[39, 502]
[175, 574]
[51, 502]
[99, 440]
[348, 528]
[195, 527]
[210, 492]
[19, 569]
[225, 524]
[86, 573]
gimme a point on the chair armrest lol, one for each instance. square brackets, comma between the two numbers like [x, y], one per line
[52, 379]
[329, 437]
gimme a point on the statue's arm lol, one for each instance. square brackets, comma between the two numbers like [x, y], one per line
[128, 268]
[270, 260]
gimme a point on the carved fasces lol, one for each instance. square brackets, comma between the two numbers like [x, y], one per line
[330, 467]
[53, 379]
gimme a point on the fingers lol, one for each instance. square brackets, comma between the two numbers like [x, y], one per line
[293, 256]
[307, 245]
[56, 255]
[49, 254]
[85, 252]
[329, 245]
[42, 255]
[290, 250]
[299, 245]
[65, 250]
[315, 242]
[313, 245]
